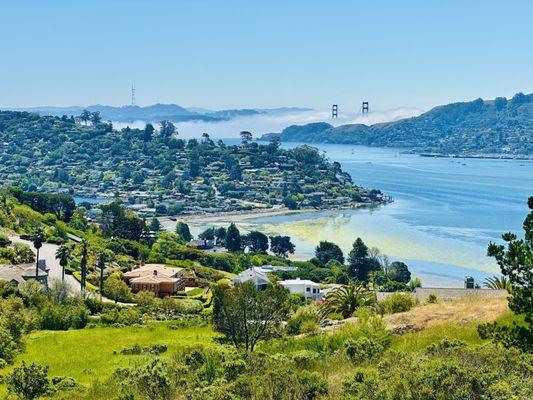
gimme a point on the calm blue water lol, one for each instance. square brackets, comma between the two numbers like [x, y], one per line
[445, 213]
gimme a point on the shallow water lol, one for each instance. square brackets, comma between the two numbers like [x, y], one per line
[445, 212]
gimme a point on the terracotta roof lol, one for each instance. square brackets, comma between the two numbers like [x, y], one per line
[153, 279]
[153, 269]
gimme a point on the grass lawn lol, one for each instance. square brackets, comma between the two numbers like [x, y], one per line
[87, 354]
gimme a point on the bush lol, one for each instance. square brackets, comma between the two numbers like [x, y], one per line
[8, 347]
[453, 372]
[304, 358]
[62, 317]
[120, 316]
[54, 317]
[189, 306]
[64, 383]
[28, 381]
[304, 320]
[363, 349]
[444, 345]
[432, 298]
[233, 368]
[4, 240]
[396, 302]
[153, 349]
[94, 305]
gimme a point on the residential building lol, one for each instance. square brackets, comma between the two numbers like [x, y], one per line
[156, 278]
[17, 274]
[308, 288]
[255, 275]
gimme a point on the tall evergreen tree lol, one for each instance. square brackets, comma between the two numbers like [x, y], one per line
[358, 261]
[233, 238]
[326, 251]
[257, 241]
[182, 229]
[515, 259]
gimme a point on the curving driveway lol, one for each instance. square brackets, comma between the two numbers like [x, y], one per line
[48, 253]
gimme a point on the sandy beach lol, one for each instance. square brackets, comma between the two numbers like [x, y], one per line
[238, 216]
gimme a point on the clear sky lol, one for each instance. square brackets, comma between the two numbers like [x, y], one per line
[224, 54]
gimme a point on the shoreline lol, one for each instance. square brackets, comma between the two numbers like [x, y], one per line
[223, 216]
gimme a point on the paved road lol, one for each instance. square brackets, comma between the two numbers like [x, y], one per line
[48, 253]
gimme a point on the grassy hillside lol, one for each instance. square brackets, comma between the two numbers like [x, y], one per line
[92, 355]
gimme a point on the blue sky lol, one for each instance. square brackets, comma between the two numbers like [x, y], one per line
[224, 54]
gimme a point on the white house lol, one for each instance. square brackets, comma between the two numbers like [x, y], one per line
[310, 289]
[254, 274]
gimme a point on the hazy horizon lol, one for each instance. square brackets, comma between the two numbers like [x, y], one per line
[221, 55]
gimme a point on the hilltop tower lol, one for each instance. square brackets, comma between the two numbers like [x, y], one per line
[334, 111]
[364, 107]
[132, 95]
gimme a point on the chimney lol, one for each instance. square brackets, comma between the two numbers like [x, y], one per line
[155, 272]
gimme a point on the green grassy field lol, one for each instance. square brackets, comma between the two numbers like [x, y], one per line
[93, 353]
[87, 354]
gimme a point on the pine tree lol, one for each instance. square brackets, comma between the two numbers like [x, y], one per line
[233, 238]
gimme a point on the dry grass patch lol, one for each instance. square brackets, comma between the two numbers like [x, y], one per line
[461, 311]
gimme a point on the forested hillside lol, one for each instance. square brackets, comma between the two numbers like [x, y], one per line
[496, 127]
[155, 168]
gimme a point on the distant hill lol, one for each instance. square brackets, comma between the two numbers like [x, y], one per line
[158, 112]
[494, 127]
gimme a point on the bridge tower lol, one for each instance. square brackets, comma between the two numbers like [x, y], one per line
[334, 111]
[364, 107]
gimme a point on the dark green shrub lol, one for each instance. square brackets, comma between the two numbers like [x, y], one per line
[233, 368]
[8, 347]
[363, 349]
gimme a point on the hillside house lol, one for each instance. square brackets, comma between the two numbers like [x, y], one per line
[255, 275]
[17, 274]
[305, 287]
[157, 278]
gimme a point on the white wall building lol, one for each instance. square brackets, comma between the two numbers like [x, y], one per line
[255, 275]
[310, 289]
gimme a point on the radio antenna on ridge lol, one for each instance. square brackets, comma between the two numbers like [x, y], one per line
[132, 95]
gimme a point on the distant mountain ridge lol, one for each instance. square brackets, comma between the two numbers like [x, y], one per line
[158, 112]
[493, 127]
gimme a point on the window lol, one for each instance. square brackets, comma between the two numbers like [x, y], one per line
[307, 289]
[314, 290]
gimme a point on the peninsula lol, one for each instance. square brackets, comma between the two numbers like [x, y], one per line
[157, 173]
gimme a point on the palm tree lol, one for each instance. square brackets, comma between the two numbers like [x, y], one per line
[498, 282]
[37, 238]
[101, 266]
[346, 299]
[63, 254]
[83, 263]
